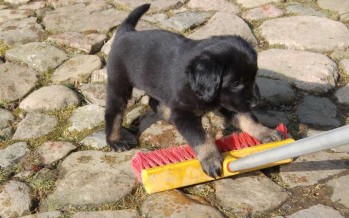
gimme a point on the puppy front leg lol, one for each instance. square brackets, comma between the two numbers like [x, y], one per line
[247, 122]
[201, 142]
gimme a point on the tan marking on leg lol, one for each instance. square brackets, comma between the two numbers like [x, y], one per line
[247, 124]
[208, 148]
[209, 156]
[115, 135]
[219, 134]
[165, 111]
[219, 119]
[264, 134]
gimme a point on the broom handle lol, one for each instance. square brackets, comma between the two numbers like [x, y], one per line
[333, 138]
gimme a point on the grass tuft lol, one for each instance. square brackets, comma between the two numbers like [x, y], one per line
[43, 182]
[3, 48]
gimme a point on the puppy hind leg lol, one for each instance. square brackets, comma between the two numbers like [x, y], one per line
[153, 103]
[117, 96]
[160, 109]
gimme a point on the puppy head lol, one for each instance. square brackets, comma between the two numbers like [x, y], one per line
[239, 91]
[240, 95]
[204, 76]
[225, 73]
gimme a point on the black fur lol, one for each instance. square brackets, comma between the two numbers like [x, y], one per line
[190, 77]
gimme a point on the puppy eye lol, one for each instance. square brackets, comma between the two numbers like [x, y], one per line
[236, 86]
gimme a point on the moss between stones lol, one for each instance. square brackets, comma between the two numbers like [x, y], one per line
[45, 78]
[59, 133]
[66, 48]
[3, 48]
[7, 173]
[63, 134]
[43, 182]
[263, 43]
[313, 4]
[121, 7]
[42, 185]
[131, 201]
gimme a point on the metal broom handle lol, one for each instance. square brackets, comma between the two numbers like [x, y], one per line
[330, 139]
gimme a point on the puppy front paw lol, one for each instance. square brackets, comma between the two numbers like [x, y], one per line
[269, 135]
[211, 160]
[212, 166]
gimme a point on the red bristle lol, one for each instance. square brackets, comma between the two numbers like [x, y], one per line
[247, 140]
[237, 142]
[283, 129]
[185, 153]
[242, 140]
[230, 144]
[165, 155]
[256, 142]
[227, 144]
[163, 158]
[180, 153]
[170, 156]
[136, 160]
[144, 160]
[220, 144]
[155, 158]
[137, 165]
[250, 140]
[176, 152]
[190, 151]
[150, 160]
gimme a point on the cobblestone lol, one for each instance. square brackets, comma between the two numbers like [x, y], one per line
[306, 33]
[264, 12]
[50, 98]
[293, 66]
[54, 159]
[27, 30]
[77, 69]
[16, 81]
[35, 125]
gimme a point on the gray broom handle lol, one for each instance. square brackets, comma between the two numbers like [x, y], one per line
[330, 139]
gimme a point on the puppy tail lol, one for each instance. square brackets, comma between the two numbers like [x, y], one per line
[131, 21]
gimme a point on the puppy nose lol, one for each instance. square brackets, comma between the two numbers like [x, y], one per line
[254, 102]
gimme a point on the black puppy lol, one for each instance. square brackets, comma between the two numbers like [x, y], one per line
[185, 78]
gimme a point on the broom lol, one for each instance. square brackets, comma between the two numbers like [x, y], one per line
[175, 167]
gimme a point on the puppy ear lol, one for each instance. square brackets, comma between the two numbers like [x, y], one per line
[204, 77]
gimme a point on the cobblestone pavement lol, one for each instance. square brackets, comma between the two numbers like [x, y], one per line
[54, 161]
